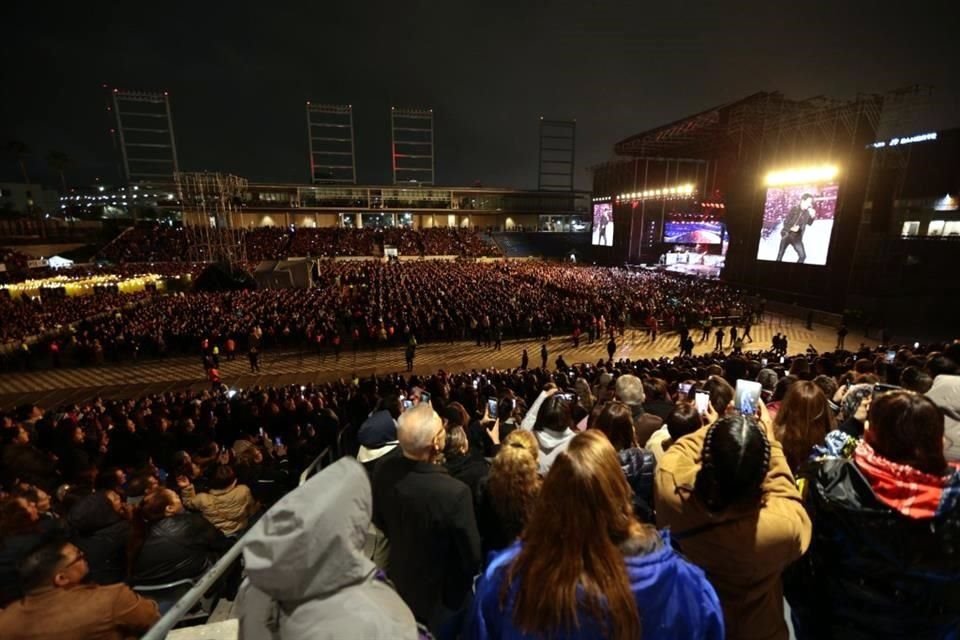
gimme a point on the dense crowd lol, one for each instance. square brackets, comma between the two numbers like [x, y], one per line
[839, 491]
[165, 243]
[375, 303]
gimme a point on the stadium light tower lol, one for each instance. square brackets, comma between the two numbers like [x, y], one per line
[558, 148]
[148, 146]
[331, 144]
[411, 145]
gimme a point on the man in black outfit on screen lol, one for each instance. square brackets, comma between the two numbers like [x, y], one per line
[791, 235]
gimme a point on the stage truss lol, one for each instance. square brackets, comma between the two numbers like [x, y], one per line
[211, 216]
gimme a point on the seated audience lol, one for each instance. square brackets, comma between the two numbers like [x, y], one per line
[59, 606]
[168, 543]
[100, 529]
[610, 577]
[21, 529]
[228, 505]
[304, 558]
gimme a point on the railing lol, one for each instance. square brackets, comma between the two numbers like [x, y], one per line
[183, 606]
[312, 467]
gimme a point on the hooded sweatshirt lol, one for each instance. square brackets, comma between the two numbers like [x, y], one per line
[744, 549]
[552, 443]
[673, 597]
[945, 393]
[307, 575]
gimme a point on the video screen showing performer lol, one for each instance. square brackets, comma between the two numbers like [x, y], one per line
[602, 233]
[798, 223]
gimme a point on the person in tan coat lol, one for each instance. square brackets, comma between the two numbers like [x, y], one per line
[59, 607]
[228, 505]
[733, 508]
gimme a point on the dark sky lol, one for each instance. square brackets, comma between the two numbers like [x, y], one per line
[240, 72]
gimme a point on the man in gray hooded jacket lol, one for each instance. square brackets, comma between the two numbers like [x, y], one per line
[307, 576]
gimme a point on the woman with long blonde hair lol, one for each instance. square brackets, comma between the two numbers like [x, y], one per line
[586, 568]
[508, 495]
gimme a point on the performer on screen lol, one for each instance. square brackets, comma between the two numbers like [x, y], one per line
[791, 235]
[602, 236]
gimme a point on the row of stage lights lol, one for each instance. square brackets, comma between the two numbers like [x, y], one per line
[684, 190]
[803, 175]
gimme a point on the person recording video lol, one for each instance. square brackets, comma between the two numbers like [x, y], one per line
[791, 234]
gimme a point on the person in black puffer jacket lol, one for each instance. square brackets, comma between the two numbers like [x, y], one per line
[168, 543]
[886, 524]
[615, 420]
[101, 529]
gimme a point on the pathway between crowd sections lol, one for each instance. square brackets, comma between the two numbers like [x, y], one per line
[49, 388]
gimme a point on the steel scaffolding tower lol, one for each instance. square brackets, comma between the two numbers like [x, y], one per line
[145, 128]
[411, 145]
[330, 138]
[558, 143]
[211, 208]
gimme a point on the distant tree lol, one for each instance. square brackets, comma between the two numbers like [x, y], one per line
[58, 162]
[21, 152]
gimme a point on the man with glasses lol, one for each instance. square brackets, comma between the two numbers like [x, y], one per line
[59, 606]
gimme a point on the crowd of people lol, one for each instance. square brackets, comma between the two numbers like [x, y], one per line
[592, 500]
[166, 243]
[353, 304]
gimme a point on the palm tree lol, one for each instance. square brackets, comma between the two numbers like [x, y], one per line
[58, 162]
[21, 151]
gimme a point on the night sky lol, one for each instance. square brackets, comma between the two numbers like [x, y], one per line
[239, 73]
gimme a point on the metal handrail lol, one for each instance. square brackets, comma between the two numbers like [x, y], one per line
[183, 606]
[326, 453]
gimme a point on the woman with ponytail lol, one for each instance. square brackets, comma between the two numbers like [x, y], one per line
[585, 567]
[168, 543]
[733, 508]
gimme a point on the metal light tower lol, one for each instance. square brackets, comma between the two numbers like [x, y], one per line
[330, 139]
[411, 145]
[145, 128]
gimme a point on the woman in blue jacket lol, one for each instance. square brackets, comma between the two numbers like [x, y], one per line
[586, 568]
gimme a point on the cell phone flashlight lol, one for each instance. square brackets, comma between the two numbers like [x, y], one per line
[476, 384]
[782, 359]
[891, 355]
[685, 388]
[278, 442]
[763, 362]
[916, 345]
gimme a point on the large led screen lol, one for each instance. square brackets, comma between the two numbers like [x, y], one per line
[602, 233]
[699, 232]
[797, 223]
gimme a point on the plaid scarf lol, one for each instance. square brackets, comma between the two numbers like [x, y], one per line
[910, 492]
